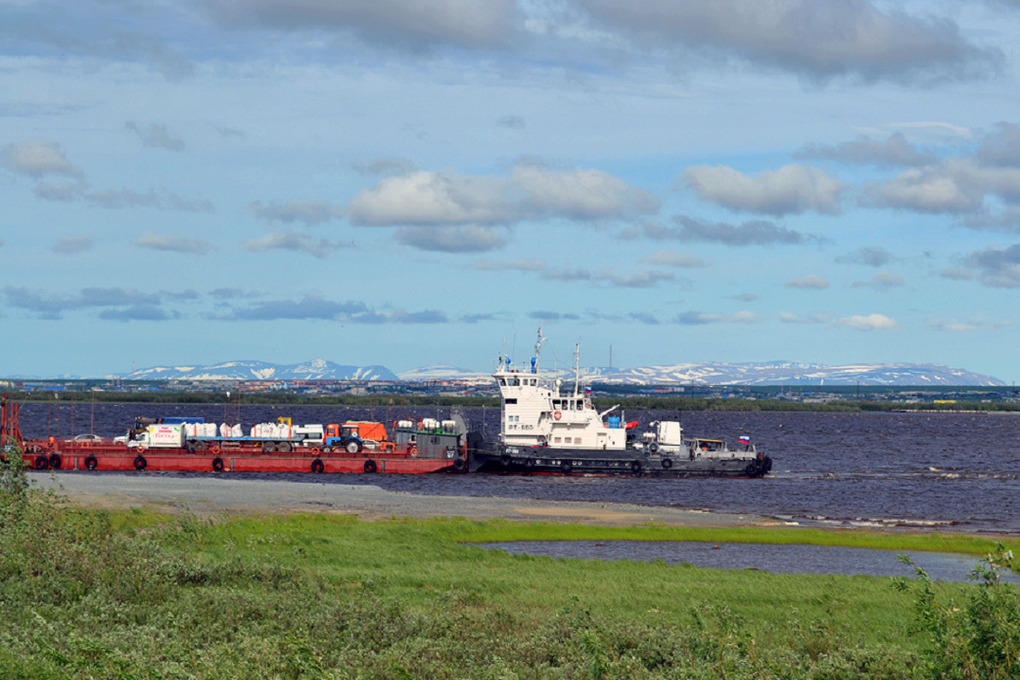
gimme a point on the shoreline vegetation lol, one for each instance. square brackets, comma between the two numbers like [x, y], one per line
[135, 593]
[664, 403]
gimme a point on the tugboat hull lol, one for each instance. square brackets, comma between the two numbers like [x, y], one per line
[631, 462]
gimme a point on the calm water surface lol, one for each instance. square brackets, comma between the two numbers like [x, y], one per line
[879, 469]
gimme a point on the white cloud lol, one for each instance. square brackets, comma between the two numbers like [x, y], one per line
[297, 210]
[882, 280]
[449, 198]
[401, 24]
[173, 243]
[871, 322]
[810, 281]
[817, 40]
[37, 158]
[970, 325]
[792, 189]
[286, 239]
[670, 258]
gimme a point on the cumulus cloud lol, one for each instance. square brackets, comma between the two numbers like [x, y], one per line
[871, 256]
[970, 325]
[670, 258]
[871, 322]
[121, 199]
[297, 210]
[693, 318]
[447, 198]
[751, 233]
[313, 307]
[809, 282]
[944, 188]
[1001, 147]
[401, 24]
[790, 190]
[156, 135]
[815, 40]
[815, 318]
[881, 281]
[53, 306]
[139, 313]
[37, 158]
[464, 238]
[892, 152]
[640, 279]
[71, 245]
[286, 239]
[996, 267]
[173, 243]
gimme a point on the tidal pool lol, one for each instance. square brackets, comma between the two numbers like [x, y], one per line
[789, 559]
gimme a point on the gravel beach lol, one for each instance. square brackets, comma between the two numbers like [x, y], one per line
[212, 495]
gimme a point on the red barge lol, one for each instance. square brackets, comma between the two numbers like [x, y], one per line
[418, 447]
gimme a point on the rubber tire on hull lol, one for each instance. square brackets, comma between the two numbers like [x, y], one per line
[55, 461]
[42, 462]
[140, 462]
[566, 467]
[667, 463]
[217, 464]
[458, 464]
[370, 467]
[635, 467]
[91, 462]
[318, 466]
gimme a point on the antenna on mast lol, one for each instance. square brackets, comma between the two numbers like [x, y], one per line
[538, 351]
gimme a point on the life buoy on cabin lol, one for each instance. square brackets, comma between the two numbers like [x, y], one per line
[315, 451]
[414, 451]
[215, 449]
[557, 415]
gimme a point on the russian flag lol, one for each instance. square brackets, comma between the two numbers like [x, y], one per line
[745, 440]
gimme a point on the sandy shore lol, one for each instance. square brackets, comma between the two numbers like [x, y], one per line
[212, 495]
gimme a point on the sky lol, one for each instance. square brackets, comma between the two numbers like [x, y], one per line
[422, 182]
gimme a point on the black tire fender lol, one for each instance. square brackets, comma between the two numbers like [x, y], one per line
[667, 463]
[370, 467]
[140, 462]
[91, 462]
[318, 466]
[42, 462]
[217, 464]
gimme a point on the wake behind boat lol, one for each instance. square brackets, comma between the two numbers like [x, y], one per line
[545, 428]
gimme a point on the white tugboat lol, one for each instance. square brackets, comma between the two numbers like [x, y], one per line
[545, 428]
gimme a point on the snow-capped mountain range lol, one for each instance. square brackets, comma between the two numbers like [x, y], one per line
[771, 373]
[316, 369]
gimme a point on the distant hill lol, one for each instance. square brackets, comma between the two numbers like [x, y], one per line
[316, 369]
[788, 373]
[761, 374]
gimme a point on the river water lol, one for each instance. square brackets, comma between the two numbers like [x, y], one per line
[960, 472]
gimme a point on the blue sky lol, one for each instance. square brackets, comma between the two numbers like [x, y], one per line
[416, 182]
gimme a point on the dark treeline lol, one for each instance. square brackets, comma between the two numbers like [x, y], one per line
[660, 403]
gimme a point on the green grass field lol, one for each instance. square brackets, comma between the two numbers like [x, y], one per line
[87, 594]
